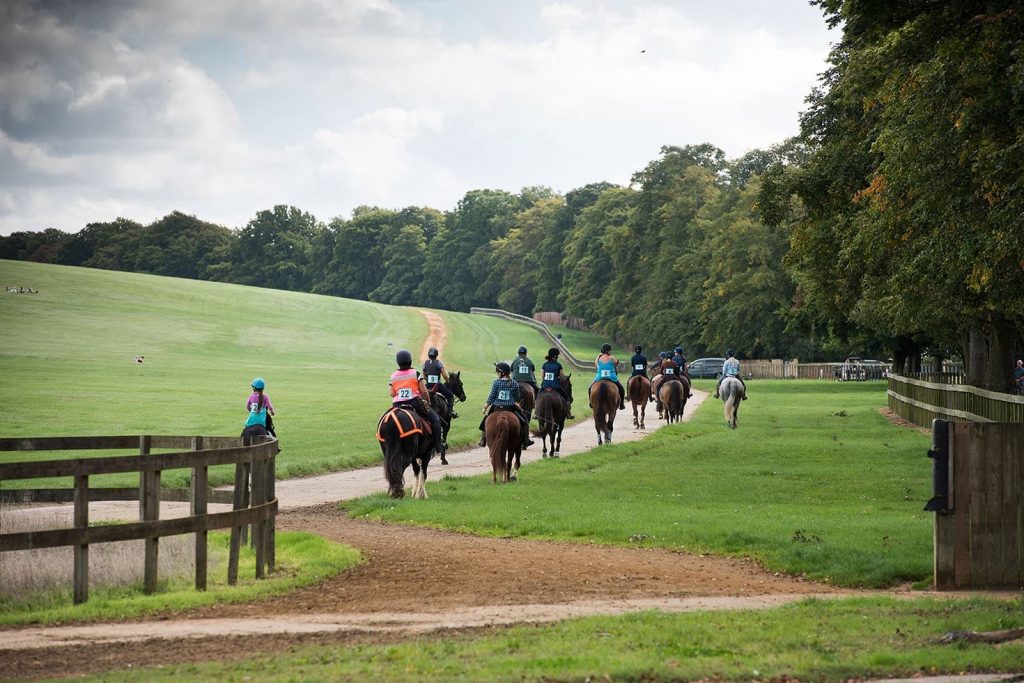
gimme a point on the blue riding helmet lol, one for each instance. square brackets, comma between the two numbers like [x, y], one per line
[258, 383]
[679, 350]
[663, 354]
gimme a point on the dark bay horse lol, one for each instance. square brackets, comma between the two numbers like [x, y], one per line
[404, 440]
[551, 411]
[505, 443]
[639, 389]
[731, 392]
[527, 398]
[444, 411]
[672, 395]
[604, 401]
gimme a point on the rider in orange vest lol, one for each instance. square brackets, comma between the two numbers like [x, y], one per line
[409, 390]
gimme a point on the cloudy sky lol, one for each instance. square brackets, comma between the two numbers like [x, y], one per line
[220, 108]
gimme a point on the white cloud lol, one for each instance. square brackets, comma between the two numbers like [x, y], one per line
[222, 108]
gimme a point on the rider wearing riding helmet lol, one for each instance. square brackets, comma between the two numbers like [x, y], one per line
[260, 411]
[679, 359]
[605, 365]
[523, 369]
[433, 373]
[638, 362]
[731, 368]
[552, 375]
[505, 396]
[408, 390]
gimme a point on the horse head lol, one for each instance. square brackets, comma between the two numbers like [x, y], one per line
[455, 384]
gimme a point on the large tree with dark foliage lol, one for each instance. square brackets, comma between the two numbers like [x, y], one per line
[914, 189]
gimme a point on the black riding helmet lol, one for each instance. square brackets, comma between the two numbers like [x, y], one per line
[552, 353]
[729, 353]
[606, 348]
[522, 350]
[503, 368]
[432, 352]
[638, 349]
[404, 359]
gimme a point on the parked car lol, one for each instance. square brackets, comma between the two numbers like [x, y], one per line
[706, 368]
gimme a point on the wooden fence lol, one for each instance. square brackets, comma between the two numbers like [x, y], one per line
[979, 528]
[921, 402]
[566, 355]
[254, 505]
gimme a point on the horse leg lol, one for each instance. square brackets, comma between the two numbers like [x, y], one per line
[556, 447]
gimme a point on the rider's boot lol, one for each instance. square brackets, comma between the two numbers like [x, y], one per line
[483, 440]
[568, 413]
[454, 415]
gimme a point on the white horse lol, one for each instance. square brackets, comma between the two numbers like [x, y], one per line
[731, 392]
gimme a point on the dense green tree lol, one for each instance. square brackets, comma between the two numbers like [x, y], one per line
[459, 271]
[403, 267]
[274, 250]
[913, 187]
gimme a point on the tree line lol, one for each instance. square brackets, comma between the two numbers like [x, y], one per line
[890, 226]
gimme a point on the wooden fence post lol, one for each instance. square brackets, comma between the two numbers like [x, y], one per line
[272, 522]
[258, 537]
[151, 511]
[81, 578]
[145, 443]
[198, 509]
[236, 531]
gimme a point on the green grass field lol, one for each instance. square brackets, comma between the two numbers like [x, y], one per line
[66, 359]
[815, 481]
[810, 641]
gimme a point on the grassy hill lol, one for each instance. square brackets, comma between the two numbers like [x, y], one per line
[66, 356]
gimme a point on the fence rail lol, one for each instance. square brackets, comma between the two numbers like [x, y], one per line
[253, 498]
[566, 354]
[921, 402]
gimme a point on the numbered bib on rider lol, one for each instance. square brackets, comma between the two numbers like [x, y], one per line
[670, 371]
[549, 376]
[405, 393]
[433, 379]
[524, 369]
[605, 373]
[639, 366]
[504, 395]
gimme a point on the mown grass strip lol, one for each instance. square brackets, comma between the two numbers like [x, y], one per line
[302, 559]
[813, 640]
[815, 481]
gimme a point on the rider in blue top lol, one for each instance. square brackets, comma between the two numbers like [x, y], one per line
[551, 378]
[605, 365]
[731, 368]
[679, 359]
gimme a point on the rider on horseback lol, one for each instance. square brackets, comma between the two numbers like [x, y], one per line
[731, 368]
[552, 373]
[679, 359]
[433, 373]
[606, 364]
[408, 390]
[505, 396]
[638, 362]
[523, 369]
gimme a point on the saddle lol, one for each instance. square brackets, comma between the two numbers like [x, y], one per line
[407, 420]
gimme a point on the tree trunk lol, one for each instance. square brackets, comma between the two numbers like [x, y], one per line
[988, 363]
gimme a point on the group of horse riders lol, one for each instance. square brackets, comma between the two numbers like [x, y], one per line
[672, 366]
[506, 391]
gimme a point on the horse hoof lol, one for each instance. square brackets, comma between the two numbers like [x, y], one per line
[444, 461]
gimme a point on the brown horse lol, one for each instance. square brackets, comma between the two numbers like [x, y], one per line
[551, 412]
[604, 401]
[404, 440]
[505, 443]
[527, 398]
[672, 395]
[639, 389]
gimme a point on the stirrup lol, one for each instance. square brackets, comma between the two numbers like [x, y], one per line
[454, 415]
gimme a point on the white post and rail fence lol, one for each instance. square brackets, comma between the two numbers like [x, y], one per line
[253, 498]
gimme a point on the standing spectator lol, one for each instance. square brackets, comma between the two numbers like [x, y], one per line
[1018, 377]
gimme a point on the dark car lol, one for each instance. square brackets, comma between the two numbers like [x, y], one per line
[706, 368]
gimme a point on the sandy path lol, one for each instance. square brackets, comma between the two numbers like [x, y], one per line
[437, 334]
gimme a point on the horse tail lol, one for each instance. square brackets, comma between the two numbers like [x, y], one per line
[394, 458]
